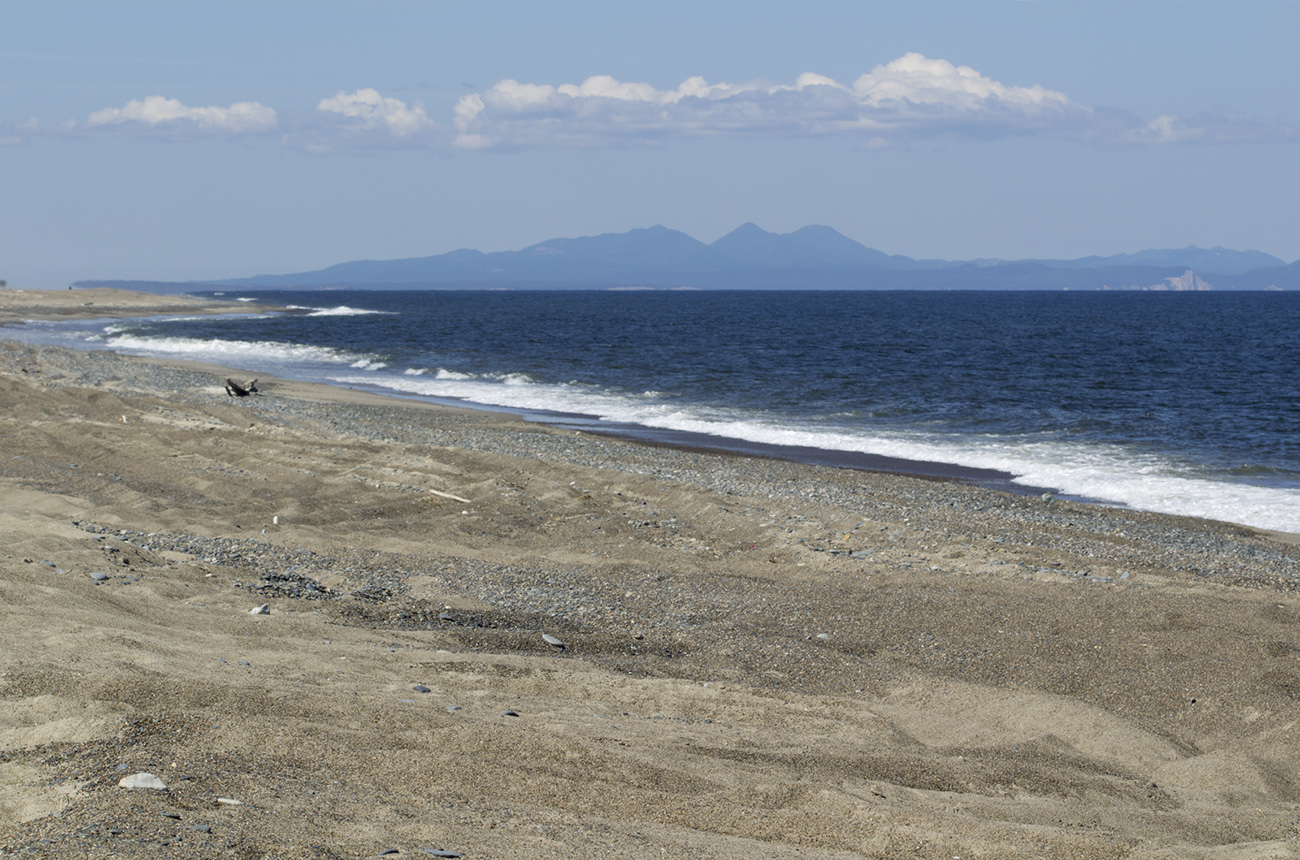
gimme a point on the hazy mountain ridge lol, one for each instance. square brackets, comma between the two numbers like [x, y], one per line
[813, 257]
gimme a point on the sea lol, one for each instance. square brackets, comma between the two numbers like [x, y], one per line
[1183, 403]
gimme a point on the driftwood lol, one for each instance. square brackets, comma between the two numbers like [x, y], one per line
[234, 389]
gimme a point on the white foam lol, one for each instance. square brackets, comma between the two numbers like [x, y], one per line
[340, 311]
[218, 349]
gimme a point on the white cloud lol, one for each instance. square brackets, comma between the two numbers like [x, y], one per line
[910, 98]
[1208, 128]
[363, 120]
[368, 110]
[913, 98]
[169, 116]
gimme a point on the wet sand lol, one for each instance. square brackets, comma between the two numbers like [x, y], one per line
[759, 657]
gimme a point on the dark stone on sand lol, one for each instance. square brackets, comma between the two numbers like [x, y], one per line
[509, 714]
[420, 688]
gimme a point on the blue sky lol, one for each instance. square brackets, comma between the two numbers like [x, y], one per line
[189, 140]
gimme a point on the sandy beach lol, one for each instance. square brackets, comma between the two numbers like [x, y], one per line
[496, 639]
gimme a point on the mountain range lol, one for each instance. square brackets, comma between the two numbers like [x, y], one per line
[813, 257]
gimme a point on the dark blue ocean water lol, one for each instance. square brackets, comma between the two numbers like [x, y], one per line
[1180, 402]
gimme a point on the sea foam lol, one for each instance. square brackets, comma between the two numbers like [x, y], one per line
[244, 351]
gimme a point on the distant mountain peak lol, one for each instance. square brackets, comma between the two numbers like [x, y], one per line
[813, 257]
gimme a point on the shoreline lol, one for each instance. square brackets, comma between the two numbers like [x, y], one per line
[756, 656]
[991, 479]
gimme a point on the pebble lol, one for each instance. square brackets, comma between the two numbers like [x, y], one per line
[420, 688]
[438, 852]
[142, 780]
[201, 828]
[509, 714]
[453, 707]
[173, 815]
[264, 609]
[229, 801]
[99, 576]
[552, 641]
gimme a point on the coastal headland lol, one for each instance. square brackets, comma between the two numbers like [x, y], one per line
[497, 639]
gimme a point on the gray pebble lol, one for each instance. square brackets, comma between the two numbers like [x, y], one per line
[201, 828]
[99, 576]
[552, 641]
[438, 852]
[509, 714]
[453, 707]
[420, 688]
[264, 609]
[173, 815]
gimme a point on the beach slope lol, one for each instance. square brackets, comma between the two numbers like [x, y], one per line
[499, 639]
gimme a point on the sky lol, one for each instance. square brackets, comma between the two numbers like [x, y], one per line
[197, 140]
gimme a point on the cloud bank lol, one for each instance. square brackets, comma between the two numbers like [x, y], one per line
[170, 117]
[907, 101]
[911, 98]
[369, 111]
